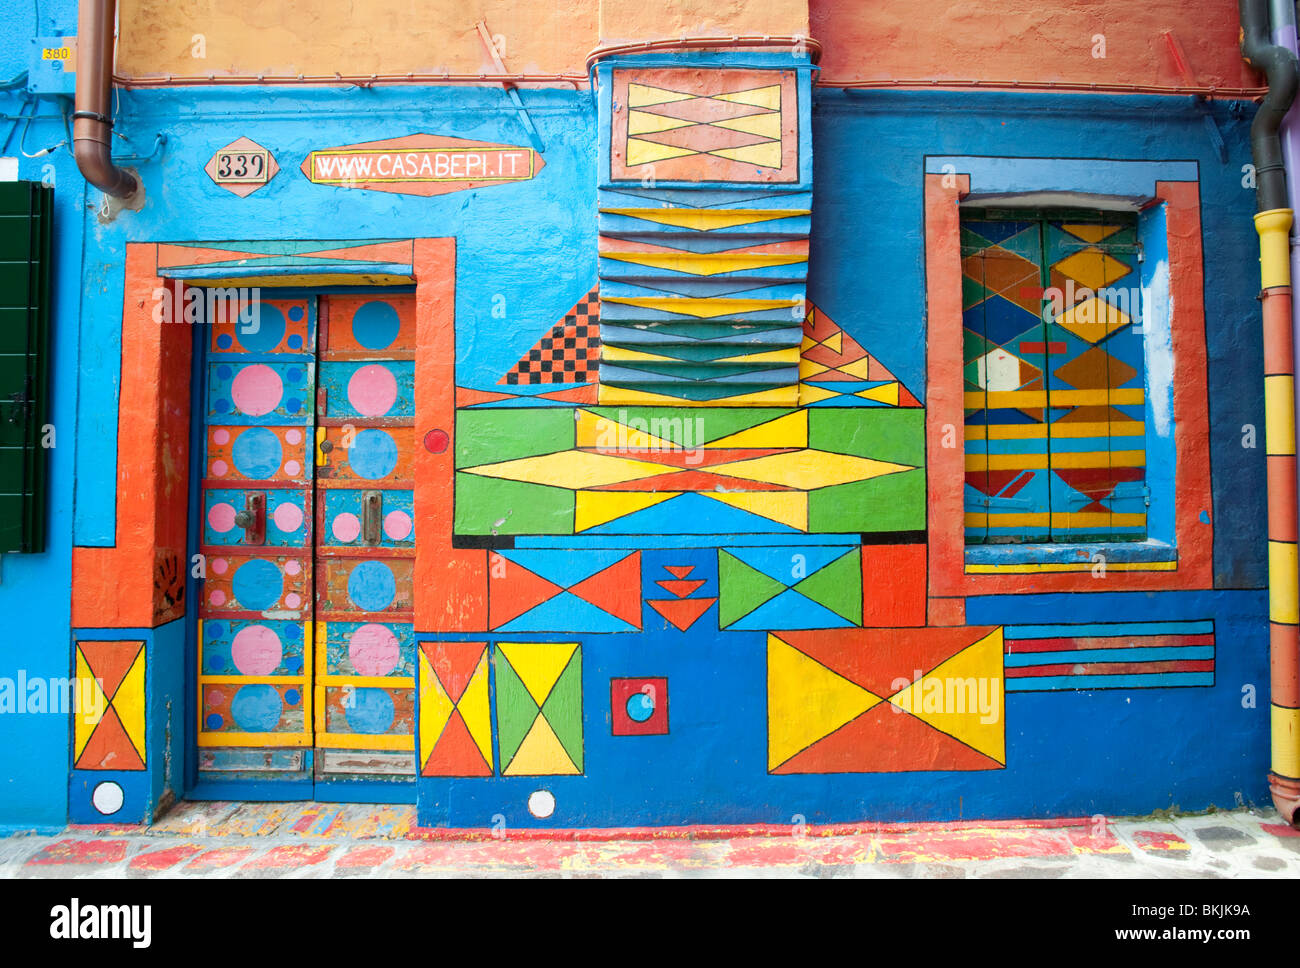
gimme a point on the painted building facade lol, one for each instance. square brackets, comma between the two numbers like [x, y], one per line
[801, 426]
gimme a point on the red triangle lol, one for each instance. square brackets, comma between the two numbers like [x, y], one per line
[905, 398]
[110, 661]
[109, 748]
[615, 589]
[885, 739]
[455, 753]
[587, 393]
[682, 612]
[878, 659]
[454, 663]
[679, 571]
[680, 588]
[514, 593]
[467, 397]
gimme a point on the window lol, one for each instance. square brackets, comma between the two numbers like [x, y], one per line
[1054, 377]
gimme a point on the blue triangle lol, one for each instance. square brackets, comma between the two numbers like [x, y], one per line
[790, 610]
[565, 568]
[691, 514]
[566, 612]
[779, 563]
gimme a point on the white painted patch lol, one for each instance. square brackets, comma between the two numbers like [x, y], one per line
[1156, 316]
[8, 169]
[107, 798]
[541, 804]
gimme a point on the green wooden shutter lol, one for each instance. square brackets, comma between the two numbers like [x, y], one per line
[25, 245]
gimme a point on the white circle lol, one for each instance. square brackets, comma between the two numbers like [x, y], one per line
[107, 798]
[541, 804]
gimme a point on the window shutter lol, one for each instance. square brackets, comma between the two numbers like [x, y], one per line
[25, 245]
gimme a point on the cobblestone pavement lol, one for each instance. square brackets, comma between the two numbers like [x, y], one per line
[348, 840]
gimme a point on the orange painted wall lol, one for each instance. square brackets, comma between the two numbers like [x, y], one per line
[622, 21]
[1028, 40]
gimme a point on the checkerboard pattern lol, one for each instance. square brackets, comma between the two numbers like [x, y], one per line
[569, 353]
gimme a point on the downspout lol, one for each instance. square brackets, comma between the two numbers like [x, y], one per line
[1273, 224]
[92, 121]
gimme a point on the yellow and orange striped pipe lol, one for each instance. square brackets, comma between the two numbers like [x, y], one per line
[1274, 228]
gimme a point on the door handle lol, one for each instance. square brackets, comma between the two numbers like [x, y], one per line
[253, 518]
[372, 509]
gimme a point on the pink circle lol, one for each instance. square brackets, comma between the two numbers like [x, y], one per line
[221, 436]
[397, 525]
[288, 517]
[293, 436]
[372, 391]
[217, 598]
[292, 600]
[219, 566]
[374, 650]
[256, 389]
[346, 526]
[256, 650]
[221, 517]
[220, 468]
[292, 468]
[291, 567]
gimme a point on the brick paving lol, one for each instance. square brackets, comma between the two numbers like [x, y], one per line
[240, 840]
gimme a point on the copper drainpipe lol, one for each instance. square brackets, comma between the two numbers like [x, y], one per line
[1273, 224]
[92, 125]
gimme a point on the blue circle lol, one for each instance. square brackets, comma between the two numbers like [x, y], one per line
[293, 374]
[216, 663]
[375, 325]
[640, 707]
[257, 453]
[214, 721]
[369, 710]
[222, 405]
[257, 708]
[373, 454]
[292, 632]
[293, 664]
[214, 628]
[371, 586]
[224, 342]
[257, 584]
[223, 372]
[292, 405]
[295, 341]
[295, 313]
[265, 331]
[291, 697]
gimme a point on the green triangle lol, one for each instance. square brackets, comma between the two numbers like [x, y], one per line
[516, 709]
[838, 586]
[563, 709]
[972, 292]
[742, 589]
[693, 391]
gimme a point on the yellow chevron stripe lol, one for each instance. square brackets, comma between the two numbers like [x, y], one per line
[707, 219]
[1029, 462]
[704, 263]
[701, 308]
[1022, 399]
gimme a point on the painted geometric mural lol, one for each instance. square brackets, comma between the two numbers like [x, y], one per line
[1055, 428]
[455, 716]
[763, 588]
[545, 590]
[108, 715]
[835, 371]
[539, 708]
[885, 700]
[568, 353]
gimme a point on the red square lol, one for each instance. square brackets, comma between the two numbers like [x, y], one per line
[638, 707]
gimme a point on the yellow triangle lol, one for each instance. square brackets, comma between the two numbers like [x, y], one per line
[809, 368]
[807, 344]
[706, 219]
[763, 125]
[790, 430]
[700, 308]
[91, 705]
[948, 697]
[571, 469]
[1093, 319]
[608, 352]
[788, 355]
[541, 754]
[761, 97]
[766, 155]
[886, 393]
[595, 431]
[808, 469]
[435, 708]
[811, 393]
[475, 710]
[538, 664]
[859, 368]
[1092, 233]
[786, 396]
[786, 507]
[704, 263]
[835, 341]
[805, 701]
[642, 152]
[642, 122]
[643, 96]
[129, 703]
[594, 508]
